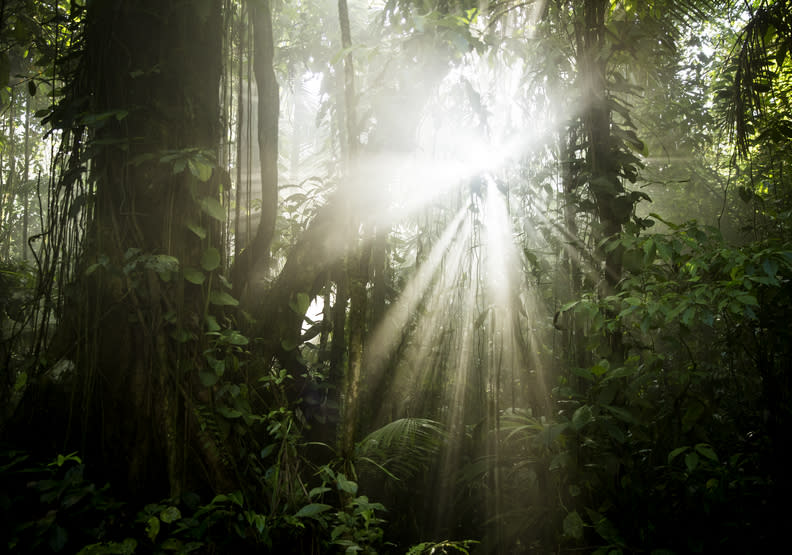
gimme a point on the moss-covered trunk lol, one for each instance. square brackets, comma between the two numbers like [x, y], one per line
[150, 80]
[602, 160]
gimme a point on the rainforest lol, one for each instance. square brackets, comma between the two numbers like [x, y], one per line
[395, 276]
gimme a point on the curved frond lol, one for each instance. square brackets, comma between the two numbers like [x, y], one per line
[403, 447]
[760, 53]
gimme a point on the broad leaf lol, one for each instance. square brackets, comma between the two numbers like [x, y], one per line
[210, 259]
[213, 208]
[312, 510]
[221, 298]
[194, 275]
[573, 525]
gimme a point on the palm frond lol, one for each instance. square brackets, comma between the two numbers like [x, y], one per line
[404, 447]
[762, 46]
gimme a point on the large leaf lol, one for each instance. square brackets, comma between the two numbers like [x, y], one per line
[348, 486]
[573, 525]
[213, 208]
[210, 259]
[221, 298]
[194, 276]
[581, 417]
[403, 447]
[312, 509]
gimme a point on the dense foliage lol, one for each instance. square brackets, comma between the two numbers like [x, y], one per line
[408, 277]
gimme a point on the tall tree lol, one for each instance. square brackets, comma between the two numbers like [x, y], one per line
[135, 327]
[252, 264]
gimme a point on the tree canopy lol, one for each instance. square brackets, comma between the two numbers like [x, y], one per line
[395, 276]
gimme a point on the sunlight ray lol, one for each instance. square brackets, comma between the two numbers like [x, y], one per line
[388, 331]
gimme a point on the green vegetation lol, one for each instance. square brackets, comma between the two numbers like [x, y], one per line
[399, 277]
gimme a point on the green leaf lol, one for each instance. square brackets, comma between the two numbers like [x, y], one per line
[218, 365]
[211, 323]
[622, 414]
[194, 275]
[208, 379]
[569, 305]
[199, 231]
[650, 252]
[228, 412]
[91, 269]
[236, 498]
[584, 373]
[210, 259]
[675, 453]
[691, 461]
[173, 544]
[162, 263]
[127, 547]
[687, 316]
[171, 514]
[213, 208]
[317, 491]
[221, 298]
[346, 485]
[312, 510]
[600, 369]
[199, 169]
[573, 526]
[256, 519]
[581, 417]
[233, 337]
[19, 384]
[152, 527]
[749, 300]
[621, 372]
[770, 267]
[707, 451]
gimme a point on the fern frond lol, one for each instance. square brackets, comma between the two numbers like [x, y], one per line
[403, 447]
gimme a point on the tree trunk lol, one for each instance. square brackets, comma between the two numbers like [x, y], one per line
[574, 339]
[25, 180]
[7, 201]
[356, 262]
[153, 67]
[379, 260]
[252, 264]
[601, 153]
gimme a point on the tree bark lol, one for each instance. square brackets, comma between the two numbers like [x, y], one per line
[151, 71]
[252, 264]
[7, 200]
[26, 178]
[356, 262]
[601, 152]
